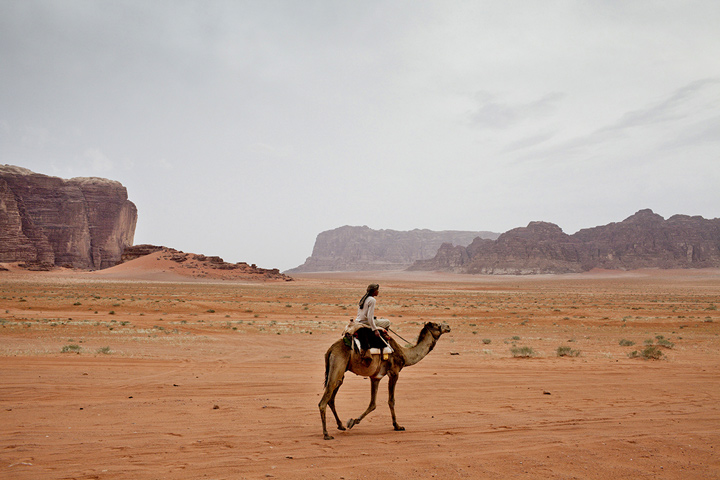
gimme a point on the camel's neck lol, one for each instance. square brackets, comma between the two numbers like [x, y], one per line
[414, 354]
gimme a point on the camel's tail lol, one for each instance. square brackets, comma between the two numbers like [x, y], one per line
[327, 367]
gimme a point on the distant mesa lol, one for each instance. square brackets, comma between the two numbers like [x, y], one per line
[352, 248]
[48, 221]
[643, 240]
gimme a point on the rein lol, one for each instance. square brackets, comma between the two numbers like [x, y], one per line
[396, 334]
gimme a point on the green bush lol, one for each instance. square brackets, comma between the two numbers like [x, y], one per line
[565, 351]
[72, 348]
[626, 343]
[651, 352]
[486, 341]
[522, 352]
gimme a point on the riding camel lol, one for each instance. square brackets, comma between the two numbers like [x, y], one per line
[340, 358]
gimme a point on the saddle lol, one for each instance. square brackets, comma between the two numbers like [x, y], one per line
[361, 339]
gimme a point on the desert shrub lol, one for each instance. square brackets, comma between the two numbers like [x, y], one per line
[72, 348]
[515, 338]
[651, 352]
[522, 352]
[665, 343]
[104, 350]
[486, 341]
[626, 343]
[565, 351]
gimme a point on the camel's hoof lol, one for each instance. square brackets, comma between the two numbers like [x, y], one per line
[329, 437]
[351, 423]
[341, 427]
[398, 428]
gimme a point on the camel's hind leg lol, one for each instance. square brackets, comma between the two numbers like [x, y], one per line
[374, 383]
[335, 375]
[331, 404]
[330, 391]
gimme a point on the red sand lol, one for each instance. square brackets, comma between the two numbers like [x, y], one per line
[221, 379]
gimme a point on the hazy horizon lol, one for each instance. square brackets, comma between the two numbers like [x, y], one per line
[244, 129]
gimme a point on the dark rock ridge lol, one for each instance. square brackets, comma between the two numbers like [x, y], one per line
[81, 223]
[193, 262]
[643, 240]
[351, 248]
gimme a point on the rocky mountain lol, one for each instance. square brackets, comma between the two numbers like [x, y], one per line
[81, 222]
[352, 248]
[643, 240]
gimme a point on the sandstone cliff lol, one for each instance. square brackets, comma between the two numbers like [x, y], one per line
[644, 240]
[351, 248]
[81, 222]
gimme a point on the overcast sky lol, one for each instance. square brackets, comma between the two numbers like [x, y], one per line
[245, 128]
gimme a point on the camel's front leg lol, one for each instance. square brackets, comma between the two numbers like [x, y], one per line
[392, 381]
[374, 383]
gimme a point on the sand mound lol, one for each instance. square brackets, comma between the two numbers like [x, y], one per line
[172, 265]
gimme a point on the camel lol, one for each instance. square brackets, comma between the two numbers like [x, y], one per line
[340, 358]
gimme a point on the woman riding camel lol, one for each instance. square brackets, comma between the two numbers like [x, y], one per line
[366, 310]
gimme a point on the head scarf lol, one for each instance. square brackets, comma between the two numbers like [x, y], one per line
[370, 289]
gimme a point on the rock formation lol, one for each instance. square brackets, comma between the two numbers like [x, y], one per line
[361, 248]
[81, 222]
[202, 266]
[644, 240]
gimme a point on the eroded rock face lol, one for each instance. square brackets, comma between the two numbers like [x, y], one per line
[351, 248]
[643, 240]
[81, 222]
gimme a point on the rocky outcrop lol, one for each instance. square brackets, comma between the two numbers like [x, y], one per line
[203, 266]
[644, 240]
[351, 248]
[81, 222]
[136, 251]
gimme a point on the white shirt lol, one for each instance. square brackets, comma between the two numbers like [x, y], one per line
[366, 314]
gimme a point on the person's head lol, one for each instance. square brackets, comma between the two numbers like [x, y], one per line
[372, 290]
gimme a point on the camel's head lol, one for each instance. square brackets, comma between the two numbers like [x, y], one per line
[437, 329]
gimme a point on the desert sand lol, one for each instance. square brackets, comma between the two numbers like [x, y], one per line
[141, 373]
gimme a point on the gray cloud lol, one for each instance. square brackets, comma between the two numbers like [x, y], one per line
[672, 108]
[243, 129]
[494, 113]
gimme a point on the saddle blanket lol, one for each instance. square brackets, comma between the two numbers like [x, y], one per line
[363, 339]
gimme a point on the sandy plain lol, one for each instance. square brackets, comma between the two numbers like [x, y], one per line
[146, 375]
